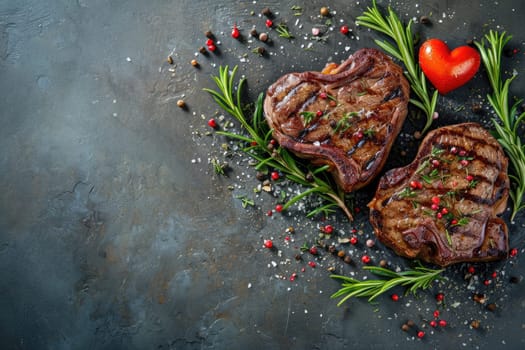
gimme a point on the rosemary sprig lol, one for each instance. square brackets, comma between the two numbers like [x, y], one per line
[509, 120]
[418, 278]
[403, 50]
[259, 135]
[283, 31]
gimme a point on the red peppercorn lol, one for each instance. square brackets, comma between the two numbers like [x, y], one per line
[416, 185]
[328, 229]
[453, 222]
[212, 123]
[323, 95]
[469, 177]
[486, 282]
[253, 143]
[212, 47]
[268, 243]
[436, 313]
[269, 213]
[420, 334]
[313, 250]
[440, 297]
[433, 324]
[394, 297]
[442, 323]
[462, 153]
[319, 113]
[471, 270]
[235, 32]
[365, 259]
[293, 276]
[439, 215]
[453, 150]
[434, 207]
[311, 264]
[359, 135]
[494, 274]
[513, 252]
[444, 211]
[279, 208]
[209, 42]
[464, 162]
[353, 240]
[273, 142]
[436, 200]
[274, 175]
[344, 29]
[435, 163]
[269, 23]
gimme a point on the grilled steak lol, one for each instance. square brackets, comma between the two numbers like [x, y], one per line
[347, 119]
[442, 208]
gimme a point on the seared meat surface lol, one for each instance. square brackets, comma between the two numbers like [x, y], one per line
[347, 119]
[442, 208]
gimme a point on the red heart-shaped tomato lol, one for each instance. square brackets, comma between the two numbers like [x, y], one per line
[447, 70]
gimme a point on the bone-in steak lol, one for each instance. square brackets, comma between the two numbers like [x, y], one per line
[442, 208]
[347, 119]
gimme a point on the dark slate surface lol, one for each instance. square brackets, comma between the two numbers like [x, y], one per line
[115, 233]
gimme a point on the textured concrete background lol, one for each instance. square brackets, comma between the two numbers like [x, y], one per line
[116, 234]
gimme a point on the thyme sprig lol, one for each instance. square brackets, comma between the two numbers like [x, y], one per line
[258, 139]
[415, 279]
[403, 50]
[491, 49]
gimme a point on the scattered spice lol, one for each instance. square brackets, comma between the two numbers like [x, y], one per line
[194, 63]
[211, 123]
[263, 37]
[170, 59]
[424, 20]
[266, 12]
[181, 104]
[208, 34]
[475, 324]
[492, 307]
[324, 11]
[235, 32]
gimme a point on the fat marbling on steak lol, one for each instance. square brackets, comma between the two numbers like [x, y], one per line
[347, 119]
[442, 208]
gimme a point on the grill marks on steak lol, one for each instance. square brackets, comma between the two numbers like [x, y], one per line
[348, 119]
[469, 180]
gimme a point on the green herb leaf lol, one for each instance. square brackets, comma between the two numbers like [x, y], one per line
[283, 31]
